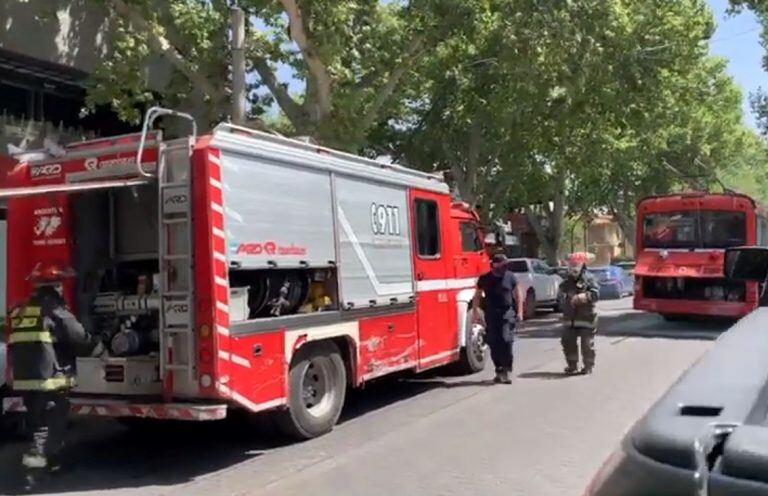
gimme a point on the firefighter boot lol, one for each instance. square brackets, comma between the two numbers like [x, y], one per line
[500, 376]
[505, 376]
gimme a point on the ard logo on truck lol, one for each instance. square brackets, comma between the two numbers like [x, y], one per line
[178, 308]
[270, 248]
[48, 170]
[176, 200]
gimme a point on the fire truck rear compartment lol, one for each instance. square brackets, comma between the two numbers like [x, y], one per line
[115, 255]
[117, 292]
[691, 288]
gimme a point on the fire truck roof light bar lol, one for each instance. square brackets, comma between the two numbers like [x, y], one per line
[149, 119]
[68, 188]
[232, 128]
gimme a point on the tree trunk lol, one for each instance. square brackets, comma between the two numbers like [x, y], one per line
[627, 223]
[551, 237]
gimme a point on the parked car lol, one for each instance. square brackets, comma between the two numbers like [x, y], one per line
[539, 282]
[627, 265]
[614, 281]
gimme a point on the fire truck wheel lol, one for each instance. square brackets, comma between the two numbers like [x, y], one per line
[530, 305]
[473, 354]
[318, 385]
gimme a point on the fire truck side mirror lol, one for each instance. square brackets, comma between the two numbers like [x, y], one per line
[746, 263]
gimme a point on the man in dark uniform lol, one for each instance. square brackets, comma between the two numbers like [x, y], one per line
[503, 302]
[44, 341]
[580, 294]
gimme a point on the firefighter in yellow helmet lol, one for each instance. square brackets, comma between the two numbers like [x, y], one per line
[44, 342]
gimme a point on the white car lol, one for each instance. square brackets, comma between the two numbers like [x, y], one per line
[539, 282]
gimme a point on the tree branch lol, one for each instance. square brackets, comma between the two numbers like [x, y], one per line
[386, 91]
[317, 69]
[535, 222]
[286, 102]
[163, 46]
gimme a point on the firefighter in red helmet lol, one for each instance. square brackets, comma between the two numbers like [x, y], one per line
[580, 294]
[44, 342]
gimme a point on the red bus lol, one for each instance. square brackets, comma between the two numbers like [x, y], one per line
[681, 240]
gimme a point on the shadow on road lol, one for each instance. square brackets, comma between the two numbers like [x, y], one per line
[637, 325]
[106, 456]
[545, 375]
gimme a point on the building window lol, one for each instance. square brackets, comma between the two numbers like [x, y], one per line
[427, 228]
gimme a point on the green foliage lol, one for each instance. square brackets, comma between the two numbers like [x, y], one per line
[568, 108]
[559, 108]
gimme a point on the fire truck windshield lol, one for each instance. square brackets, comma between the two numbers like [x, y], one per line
[694, 229]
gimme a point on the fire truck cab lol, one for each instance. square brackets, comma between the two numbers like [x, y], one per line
[241, 269]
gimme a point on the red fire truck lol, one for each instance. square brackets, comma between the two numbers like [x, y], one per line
[245, 270]
[681, 239]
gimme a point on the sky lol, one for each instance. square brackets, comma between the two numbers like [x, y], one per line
[738, 39]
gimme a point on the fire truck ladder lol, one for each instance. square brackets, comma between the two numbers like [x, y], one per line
[176, 319]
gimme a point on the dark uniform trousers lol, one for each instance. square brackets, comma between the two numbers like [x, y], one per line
[499, 336]
[47, 414]
[572, 336]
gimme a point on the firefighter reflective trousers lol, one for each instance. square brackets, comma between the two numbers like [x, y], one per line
[499, 336]
[47, 414]
[570, 338]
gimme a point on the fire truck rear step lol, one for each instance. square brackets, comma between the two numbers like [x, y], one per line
[118, 408]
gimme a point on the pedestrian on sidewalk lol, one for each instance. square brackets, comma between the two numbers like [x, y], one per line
[499, 295]
[580, 294]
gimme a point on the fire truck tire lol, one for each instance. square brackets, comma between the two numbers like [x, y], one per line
[473, 355]
[530, 305]
[317, 387]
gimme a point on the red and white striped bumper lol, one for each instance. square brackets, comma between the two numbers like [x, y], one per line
[117, 408]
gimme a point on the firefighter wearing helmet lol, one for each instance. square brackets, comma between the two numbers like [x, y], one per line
[44, 342]
[580, 294]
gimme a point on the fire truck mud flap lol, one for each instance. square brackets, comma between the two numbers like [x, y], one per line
[708, 435]
[118, 408]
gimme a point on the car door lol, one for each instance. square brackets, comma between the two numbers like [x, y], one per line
[552, 280]
[540, 281]
[629, 282]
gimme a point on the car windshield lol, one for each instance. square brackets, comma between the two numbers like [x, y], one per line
[694, 229]
[518, 266]
[601, 273]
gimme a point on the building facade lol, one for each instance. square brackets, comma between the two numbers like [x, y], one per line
[606, 240]
[46, 55]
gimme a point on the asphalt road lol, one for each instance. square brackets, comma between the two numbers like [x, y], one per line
[544, 435]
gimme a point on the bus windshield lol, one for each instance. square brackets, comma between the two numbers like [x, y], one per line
[695, 229]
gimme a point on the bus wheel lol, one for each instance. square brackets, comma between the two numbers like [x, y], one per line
[473, 354]
[317, 384]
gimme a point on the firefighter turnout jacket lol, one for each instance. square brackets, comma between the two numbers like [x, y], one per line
[583, 314]
[44, 342]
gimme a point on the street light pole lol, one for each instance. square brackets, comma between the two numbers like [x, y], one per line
[237, 25]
